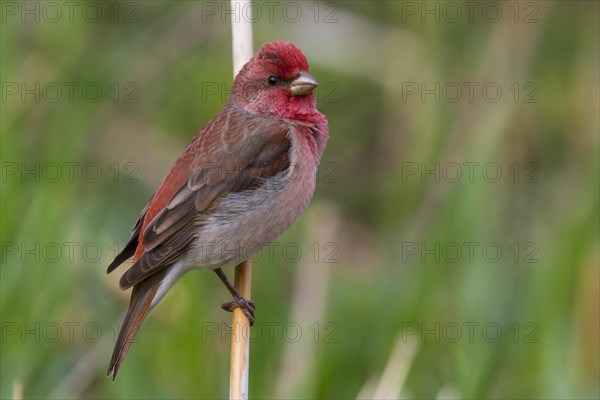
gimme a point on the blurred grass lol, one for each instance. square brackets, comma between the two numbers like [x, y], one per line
[371, 210]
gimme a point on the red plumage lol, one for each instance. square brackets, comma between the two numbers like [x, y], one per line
[243, 179]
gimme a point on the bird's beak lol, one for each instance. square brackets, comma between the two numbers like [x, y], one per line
[303, 84]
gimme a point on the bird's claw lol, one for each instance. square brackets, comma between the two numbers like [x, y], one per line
[246, 305]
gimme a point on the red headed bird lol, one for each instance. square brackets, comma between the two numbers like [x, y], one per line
[242, 181]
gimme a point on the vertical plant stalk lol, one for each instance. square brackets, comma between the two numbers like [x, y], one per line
[240, 344]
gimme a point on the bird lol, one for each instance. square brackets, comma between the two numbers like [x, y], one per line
[241, 182]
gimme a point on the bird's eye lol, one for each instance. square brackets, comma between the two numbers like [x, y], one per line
[273, 80]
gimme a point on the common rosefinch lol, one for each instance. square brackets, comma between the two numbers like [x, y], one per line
[240, 183]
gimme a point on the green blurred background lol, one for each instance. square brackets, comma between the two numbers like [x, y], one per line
[451, 249]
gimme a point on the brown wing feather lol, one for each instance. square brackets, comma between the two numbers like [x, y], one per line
[167, 236]
[158, 258]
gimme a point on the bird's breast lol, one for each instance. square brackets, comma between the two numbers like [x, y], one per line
[243, 222]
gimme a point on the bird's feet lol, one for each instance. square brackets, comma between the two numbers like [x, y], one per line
[246, 305]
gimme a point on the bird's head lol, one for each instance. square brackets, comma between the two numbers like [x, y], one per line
[276, 82]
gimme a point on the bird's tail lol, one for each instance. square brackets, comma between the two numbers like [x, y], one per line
[141, 301]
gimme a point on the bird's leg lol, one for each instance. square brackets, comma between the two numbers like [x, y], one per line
[240, 301]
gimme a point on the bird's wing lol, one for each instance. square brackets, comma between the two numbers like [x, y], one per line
[231, 154]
